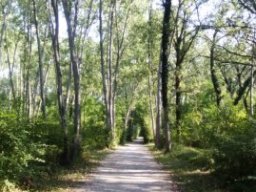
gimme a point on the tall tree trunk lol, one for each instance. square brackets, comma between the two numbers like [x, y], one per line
[27, 85]
[71, 27]
[3, 27]
[165, 73]
[110, 78]
[178, 99]
[214, 77]
[40, 62]
[119, 37]
[103, 72]
[29, 108]
[10, 67]
[159, 106]
[60, 97]
[11, 79]
[150, 67]
[251, 92]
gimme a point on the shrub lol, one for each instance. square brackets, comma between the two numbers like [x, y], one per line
[94, 133]
[235, 155]
[14, 147]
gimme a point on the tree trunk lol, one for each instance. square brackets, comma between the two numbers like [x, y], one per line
[40, 63]
[11, 79]
[103, 73]
[60, 97]
[178, 99]
[10, 67]
[159, 108]
[71, 27]
[251, 92]
[214, 77]
[150, 69]
[3, 27]
[165, 73]
[110, 79]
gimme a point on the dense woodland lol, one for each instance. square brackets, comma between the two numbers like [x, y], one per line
[82, 75]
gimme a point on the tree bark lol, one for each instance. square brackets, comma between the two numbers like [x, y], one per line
[165, 73]
[40, 63]
[3, 28]
[11, 79]
[103, 72]
[10, 67]
[150, 69]
[159, 108]
[71, 27]
[60, 97]
[214, 77]
[110, 78]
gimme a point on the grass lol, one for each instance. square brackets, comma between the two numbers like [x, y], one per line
[60, 179]
[191, 169]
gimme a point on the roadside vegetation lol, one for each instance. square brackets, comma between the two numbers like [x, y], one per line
[219, 156]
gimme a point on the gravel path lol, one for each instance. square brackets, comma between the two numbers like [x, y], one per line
[131, 168]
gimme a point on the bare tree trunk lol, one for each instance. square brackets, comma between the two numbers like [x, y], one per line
[71, 26]
[178, 101]
[119, 36]
[215, 81]
[40, 63]
[10, 67]
[60, 97]
[12, 84]
[28, 97]
[165, 72]
[110, 79]
[159, 108]
[3, 27]
[103, 72]
[252, 77]
[150, 67]
[27, 104]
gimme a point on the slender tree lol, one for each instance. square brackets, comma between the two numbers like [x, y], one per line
[40, 62]
[71, 16]
[165, 72]
[62, 100]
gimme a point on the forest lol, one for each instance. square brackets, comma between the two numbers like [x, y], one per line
[78, 77]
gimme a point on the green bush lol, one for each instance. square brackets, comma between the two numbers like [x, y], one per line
[94, 132]
[235, 155]
[95, 137]
[14, 147]
[229, 133]
[26, 149]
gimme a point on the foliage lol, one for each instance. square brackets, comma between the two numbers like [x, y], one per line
[94, 132]
[194, 170]
[27, 148]
[190, 168]
[15, 150]
[140, 124]
[235, 154]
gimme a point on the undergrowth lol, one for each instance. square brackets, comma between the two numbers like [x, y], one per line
[193, 170]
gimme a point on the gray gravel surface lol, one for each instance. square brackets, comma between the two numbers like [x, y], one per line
[130, 168]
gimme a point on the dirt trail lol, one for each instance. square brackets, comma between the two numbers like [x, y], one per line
[131, 168]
